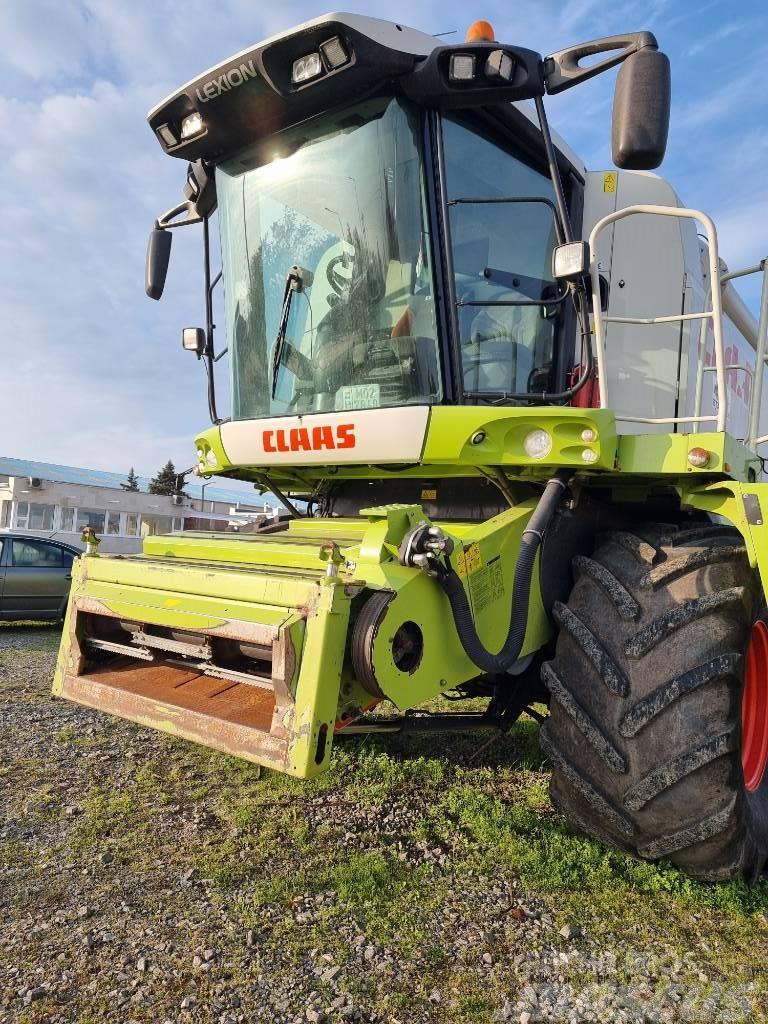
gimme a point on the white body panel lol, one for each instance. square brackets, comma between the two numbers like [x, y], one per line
[362, 436]
[657, 266]
[397, 37]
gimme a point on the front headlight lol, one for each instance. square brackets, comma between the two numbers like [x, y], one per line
[537, 444]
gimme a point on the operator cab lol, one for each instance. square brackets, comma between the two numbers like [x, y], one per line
[388, 213]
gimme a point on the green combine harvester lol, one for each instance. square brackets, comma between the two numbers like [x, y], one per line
[513, 407]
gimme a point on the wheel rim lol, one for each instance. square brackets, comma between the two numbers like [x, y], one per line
[754, 709]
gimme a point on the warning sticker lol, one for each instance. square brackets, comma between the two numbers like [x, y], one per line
[487, 585]
[429, 494]
[472, 559]
[468, 560]
[609, 181]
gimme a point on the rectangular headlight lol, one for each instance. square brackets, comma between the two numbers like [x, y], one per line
[166, 135]
[306, 68]
[570, 261]
[499, 66]
[462, 67]
[192, 125]
[334, 53]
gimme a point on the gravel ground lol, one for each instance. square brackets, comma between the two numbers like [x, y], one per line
[146, 880]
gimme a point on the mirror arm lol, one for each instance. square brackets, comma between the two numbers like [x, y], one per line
[168, 220]
[562, 70]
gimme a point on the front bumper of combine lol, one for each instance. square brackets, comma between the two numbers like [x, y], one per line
[243, 659]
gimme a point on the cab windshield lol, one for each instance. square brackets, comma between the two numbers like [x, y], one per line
[327, 273]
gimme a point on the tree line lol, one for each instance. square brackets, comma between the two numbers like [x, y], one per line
[164, 482]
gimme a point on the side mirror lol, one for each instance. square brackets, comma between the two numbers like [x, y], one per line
[641, 111]
[158, 255]
[193, 340]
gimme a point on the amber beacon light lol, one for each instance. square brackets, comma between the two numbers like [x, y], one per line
[480, 32]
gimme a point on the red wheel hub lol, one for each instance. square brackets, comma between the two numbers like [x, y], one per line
[754, 709]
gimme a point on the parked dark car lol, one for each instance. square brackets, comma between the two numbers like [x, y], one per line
[35, 575]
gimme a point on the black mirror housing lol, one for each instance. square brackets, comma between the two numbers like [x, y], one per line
[158, 256]
[641, 111]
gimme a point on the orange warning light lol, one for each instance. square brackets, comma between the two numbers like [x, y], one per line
[480, 32]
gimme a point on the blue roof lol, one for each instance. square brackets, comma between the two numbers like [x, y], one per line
[99, 478]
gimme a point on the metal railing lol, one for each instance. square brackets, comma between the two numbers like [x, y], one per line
[761, 351]
[715, 313]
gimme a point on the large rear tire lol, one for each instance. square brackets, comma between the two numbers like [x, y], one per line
[645, 727]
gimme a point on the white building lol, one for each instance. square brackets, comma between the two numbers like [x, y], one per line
[45, 500]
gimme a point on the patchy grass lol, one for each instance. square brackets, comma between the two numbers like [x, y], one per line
[398, 846]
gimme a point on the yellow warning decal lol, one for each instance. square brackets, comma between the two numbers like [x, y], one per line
[429, 494]
[609, 181]
[472, 559]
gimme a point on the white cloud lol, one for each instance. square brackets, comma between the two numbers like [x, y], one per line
[93, 372]
[731, 28]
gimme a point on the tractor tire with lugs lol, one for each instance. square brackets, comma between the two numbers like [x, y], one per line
[645, 727]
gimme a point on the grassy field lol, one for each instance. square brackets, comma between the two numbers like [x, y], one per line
[418, 880]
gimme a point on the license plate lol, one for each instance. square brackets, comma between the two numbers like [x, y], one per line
[358, 396]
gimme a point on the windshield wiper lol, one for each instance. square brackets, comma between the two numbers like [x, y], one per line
[294, 282]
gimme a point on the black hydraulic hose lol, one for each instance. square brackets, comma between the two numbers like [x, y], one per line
[454, 590]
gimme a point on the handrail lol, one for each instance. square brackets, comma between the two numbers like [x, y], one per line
[715, 313]
[761, 348]
[751, 440]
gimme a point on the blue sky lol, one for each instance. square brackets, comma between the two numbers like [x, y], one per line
[92, 372]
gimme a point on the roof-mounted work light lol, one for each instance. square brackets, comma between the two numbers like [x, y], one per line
[462, 67]
[500, 66]
[334, 53]
[192, 125]
[306, 68]
[166, 135]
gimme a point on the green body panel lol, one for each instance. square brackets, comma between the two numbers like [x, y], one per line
[453, 445]
[485, 555]
[743, 505]
[667, 454]
[319, 680]
[451, 432]
[256, 589]
[300, 591]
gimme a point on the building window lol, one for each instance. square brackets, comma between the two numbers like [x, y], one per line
[22, 514]
[131, 524]
[158, 525]
[113, 522]
[178, 524]
[5, 514]
[67, 520]
[89, 517]
[40, 517]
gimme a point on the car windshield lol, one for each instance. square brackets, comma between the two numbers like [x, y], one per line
[327, 268]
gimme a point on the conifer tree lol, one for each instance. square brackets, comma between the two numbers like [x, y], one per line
[165, 481]
[131, 482]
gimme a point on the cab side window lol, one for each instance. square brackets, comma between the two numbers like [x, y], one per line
[503, 233]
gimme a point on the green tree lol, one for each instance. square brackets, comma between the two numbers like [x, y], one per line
[165, 481]
[131, 482]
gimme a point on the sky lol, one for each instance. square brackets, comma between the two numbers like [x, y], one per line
[91, 371]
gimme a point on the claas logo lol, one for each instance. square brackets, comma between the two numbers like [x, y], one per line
[309, 439]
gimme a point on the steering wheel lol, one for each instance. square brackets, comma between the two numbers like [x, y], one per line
[338, 282]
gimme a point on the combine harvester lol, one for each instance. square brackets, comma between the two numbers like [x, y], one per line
[520, 402]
